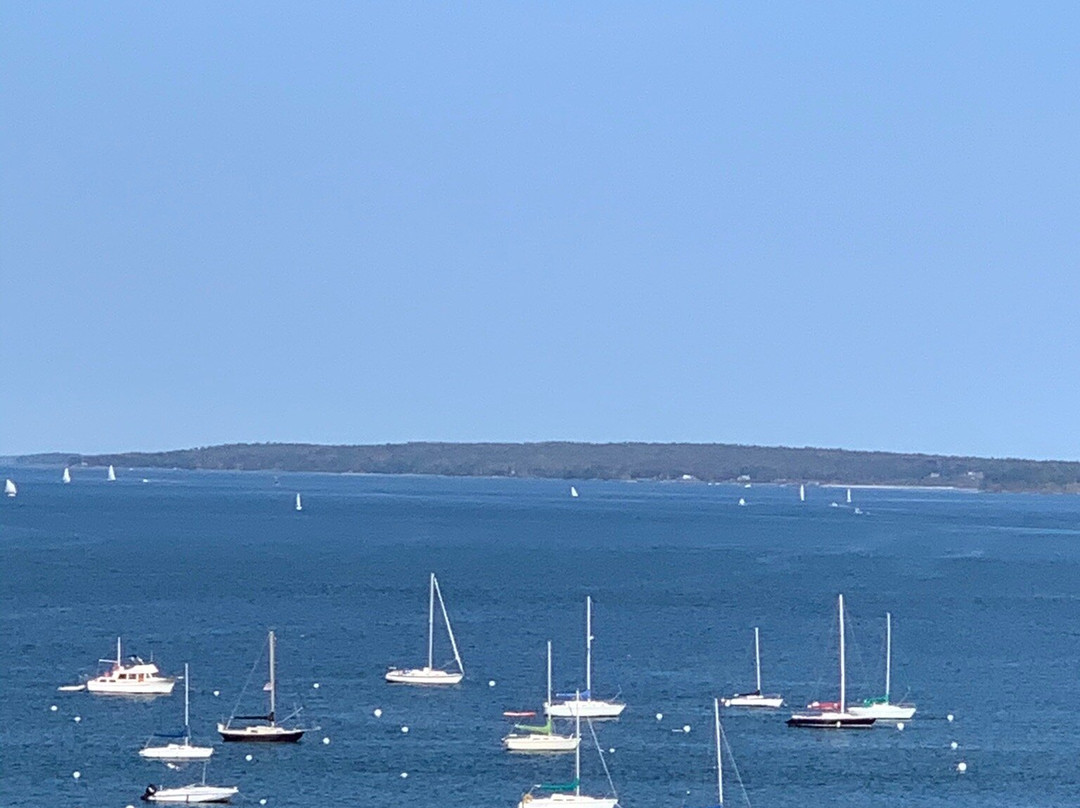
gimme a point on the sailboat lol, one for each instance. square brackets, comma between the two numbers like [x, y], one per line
[833, 715]
[9, 488]
[271, 731]
[587, 706]
[195, 793]
[567, 795]
[542, 738]
[299, 507]
[135, 678]
[755, 699]
[67, 475]
[179, 751]
[573, 491]
[881, 707]
[430, 675]
[112, 475]
[802, 493]
[849, 496]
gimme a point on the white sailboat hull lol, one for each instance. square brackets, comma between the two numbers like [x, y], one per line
[586, 708]
[190, 794]
[751, 700]
[177, 751]
[423, 676]
[153, 687]
[540, 743]
[567, 801]
[884, 712]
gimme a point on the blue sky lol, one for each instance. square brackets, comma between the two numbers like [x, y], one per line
[849, 225]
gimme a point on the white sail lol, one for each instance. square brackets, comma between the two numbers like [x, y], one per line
[802, 493]
[299, 507]
[573, 491]
[112, 474]
[849, 496]
[10, 489]
[67, 475]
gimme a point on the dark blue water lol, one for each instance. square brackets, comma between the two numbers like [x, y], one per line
[196, 566]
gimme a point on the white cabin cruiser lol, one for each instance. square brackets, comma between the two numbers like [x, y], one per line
[131, 678]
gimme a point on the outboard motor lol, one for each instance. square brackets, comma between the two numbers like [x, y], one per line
[151, 790]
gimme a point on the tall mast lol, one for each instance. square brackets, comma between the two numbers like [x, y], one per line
[888, 654]
[757, 658]
[119, 658]
[843, 682]
[719, 755]
[588, 646]
[273, 682]
[431, 623]
[577, 748]
[187, 728]
[548, 702]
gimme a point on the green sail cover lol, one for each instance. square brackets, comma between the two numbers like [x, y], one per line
[546, 729]
[878, 700]
[560, 786]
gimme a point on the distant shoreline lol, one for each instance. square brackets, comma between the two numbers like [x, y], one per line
[704, 462]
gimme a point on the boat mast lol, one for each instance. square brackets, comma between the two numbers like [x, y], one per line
[588, 646]
[719, 755]
[431, 622]
[577, 748]
[888, 654]
[119, 658]
[548, 702]
[449, 630]
[843, 682]
[187, 728]
[757, 658]
[273, 683]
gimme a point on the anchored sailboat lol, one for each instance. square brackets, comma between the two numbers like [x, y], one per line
[112, 475]
[567, 795]
[9, 488]
[271, 731]
[540, 738]
[881, 707]
[833, 715]
[755, 699]
[179, 751]
[588, 707]
[430, 675]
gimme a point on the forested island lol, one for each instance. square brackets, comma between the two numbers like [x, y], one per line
[708, 462]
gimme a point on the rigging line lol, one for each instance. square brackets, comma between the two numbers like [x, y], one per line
[247, 681]
[734, 765]
[603, 762]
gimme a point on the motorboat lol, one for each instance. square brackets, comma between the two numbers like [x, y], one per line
[130, 677]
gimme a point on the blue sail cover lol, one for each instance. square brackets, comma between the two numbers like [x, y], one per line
[180, 734]
[583, 695]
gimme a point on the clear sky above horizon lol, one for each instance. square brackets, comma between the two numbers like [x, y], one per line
[829, 224]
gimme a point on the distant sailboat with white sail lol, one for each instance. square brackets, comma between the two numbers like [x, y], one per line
[67, 475]
[849, 496]
[299, 506]
[112, 475]
[802, 493]
[9, 488]
[573, 492]
[430, 675]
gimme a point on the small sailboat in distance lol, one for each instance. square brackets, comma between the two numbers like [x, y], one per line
[67, 475]
[430, 675]
[9, 488]
[184, 750]
[299, 507]
[755, 699]
[849, 496]
[573, 492]
[112, 475]
[802, 493]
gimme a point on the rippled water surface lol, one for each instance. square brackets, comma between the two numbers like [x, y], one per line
[196, 567]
